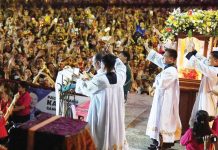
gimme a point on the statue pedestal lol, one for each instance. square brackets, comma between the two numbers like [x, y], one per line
[188, 93]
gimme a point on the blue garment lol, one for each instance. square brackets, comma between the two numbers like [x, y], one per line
[68, 87]
[139, 30]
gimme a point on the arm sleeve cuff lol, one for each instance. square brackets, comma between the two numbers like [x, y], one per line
[190, 54]
[194, 52]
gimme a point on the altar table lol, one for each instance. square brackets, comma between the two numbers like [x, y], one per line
[50, 132]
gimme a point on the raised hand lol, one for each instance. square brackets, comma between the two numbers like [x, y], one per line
[11, 107]
[190, 46]
[108, 49]
[146, 46]
[154, 29]
[31, 38]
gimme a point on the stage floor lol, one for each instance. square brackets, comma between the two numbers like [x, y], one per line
[137, 112]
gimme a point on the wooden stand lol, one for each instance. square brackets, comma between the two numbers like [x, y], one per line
[188, 93]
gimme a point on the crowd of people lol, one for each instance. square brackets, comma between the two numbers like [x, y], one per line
[36, 43]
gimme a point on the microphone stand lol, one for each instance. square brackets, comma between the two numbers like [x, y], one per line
[65, 101]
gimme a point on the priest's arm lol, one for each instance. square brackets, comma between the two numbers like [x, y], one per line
[89, 87]
[120, 69]
[156, 58]
[98, 82]
[201, 63]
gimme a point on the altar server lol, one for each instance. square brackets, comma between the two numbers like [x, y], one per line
[205, 100]
[164, 123]
[106, 112]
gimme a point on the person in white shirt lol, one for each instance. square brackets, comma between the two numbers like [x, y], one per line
[106, 111]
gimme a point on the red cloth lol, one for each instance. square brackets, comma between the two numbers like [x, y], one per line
[82, 110]
[3, 131]
[62, 134]
[215, 125]
[24, 100]
[190, 143]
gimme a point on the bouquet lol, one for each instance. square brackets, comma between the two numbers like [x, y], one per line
[189, 73]
[198, 21]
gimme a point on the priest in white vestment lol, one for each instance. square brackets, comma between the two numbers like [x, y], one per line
[106, 111]
[164, 120]
[205, 100]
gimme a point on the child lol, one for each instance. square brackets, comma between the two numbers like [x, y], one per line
[209, 68]
[193, 137]
[164, 116]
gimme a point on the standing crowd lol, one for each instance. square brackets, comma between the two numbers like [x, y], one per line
[36, 43]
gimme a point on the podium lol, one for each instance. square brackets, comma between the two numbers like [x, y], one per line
[188, 92]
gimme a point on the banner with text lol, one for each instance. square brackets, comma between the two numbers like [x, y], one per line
[44, 100]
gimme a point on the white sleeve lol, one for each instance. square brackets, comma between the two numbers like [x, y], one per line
[156, 58]
[202, 66]
[79, 83]
[120, 69]
[201, 58]
[58, 83]
[89, 87]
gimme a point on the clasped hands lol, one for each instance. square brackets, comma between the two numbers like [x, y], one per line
[86, 76]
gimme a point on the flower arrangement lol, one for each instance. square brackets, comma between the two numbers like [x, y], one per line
[189, 73]
[198, 21]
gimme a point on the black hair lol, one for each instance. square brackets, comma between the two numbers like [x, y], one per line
[214, 54]
[172, 52]
[201, 126]
[109, 61]
[98, 57]
[126, 54]
[23, 84]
